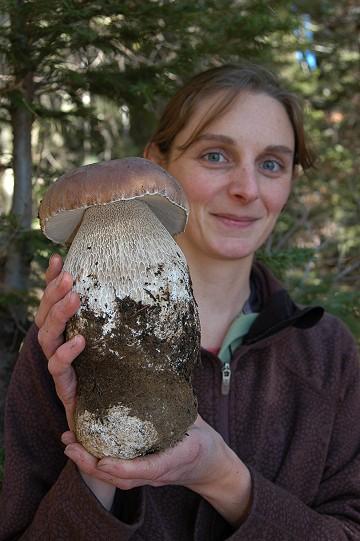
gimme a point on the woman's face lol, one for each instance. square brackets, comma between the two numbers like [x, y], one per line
[237, 176]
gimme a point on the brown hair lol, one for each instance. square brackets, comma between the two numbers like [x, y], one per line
[228, 81]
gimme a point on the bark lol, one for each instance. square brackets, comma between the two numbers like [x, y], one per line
[13, 316]
[17, 265]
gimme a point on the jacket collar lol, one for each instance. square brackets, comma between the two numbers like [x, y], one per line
[276, 309]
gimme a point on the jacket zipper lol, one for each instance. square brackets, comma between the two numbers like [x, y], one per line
[223, 411]
[225, 378]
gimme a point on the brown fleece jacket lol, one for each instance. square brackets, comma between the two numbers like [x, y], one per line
[292, 415]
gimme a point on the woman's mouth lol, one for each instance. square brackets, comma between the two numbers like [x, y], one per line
[230, 220]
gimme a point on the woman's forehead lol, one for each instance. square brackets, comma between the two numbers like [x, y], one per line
[247, 114]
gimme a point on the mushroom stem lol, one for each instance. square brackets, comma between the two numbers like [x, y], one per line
[141, 327]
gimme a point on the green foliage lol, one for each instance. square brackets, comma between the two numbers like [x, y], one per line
[132, 52]
[40, 249]
[280, 262]
[324, 211]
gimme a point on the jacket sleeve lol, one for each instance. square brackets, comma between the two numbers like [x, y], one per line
[43, 495]
[334, 514]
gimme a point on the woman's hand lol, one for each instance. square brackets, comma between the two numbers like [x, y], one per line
[201, 462]
[57, 306]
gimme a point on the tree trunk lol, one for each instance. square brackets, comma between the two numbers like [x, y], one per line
[13, 315]
[17, 265]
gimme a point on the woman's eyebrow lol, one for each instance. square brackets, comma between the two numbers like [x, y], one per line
[215, 137]
[279, 148]
[212, 137]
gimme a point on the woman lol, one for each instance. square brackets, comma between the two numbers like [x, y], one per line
[275, 451]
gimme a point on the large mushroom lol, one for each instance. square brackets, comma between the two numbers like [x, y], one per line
[138, 313]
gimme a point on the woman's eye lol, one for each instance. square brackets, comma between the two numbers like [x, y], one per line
[214, 157]
[272, 165]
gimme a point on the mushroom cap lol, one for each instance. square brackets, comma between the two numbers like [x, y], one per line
[65, 202]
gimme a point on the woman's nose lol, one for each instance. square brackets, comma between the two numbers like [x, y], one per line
[244, 184]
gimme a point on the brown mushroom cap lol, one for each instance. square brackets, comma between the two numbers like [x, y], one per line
[65, 202]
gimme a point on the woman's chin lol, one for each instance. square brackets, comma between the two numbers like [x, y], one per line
[232, 253]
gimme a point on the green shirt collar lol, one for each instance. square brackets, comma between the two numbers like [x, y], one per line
[234, 337]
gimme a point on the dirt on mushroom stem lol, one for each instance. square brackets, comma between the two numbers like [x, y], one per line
[140, 373]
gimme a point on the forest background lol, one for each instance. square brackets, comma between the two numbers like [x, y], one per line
[84, 81]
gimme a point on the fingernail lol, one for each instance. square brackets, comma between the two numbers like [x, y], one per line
[71, 453]
[77, 340]
[54, 257]
[59, 278]
[103, 467]
[110, 465]
[103, 464]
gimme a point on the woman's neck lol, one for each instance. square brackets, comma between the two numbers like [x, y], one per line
[221, 288]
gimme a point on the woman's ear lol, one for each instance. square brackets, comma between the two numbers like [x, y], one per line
[154, 154]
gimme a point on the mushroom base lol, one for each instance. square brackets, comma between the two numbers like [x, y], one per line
[134, 395]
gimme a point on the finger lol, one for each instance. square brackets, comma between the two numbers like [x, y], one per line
[60, 363]
[199, 421]
[87, 463]
[78, 454]
[68, 437]
[150, 468]
[54, 268]
[64, 374]
[54, 292]
[50, 334]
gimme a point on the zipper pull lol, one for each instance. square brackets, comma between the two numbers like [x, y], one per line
[225, 379]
